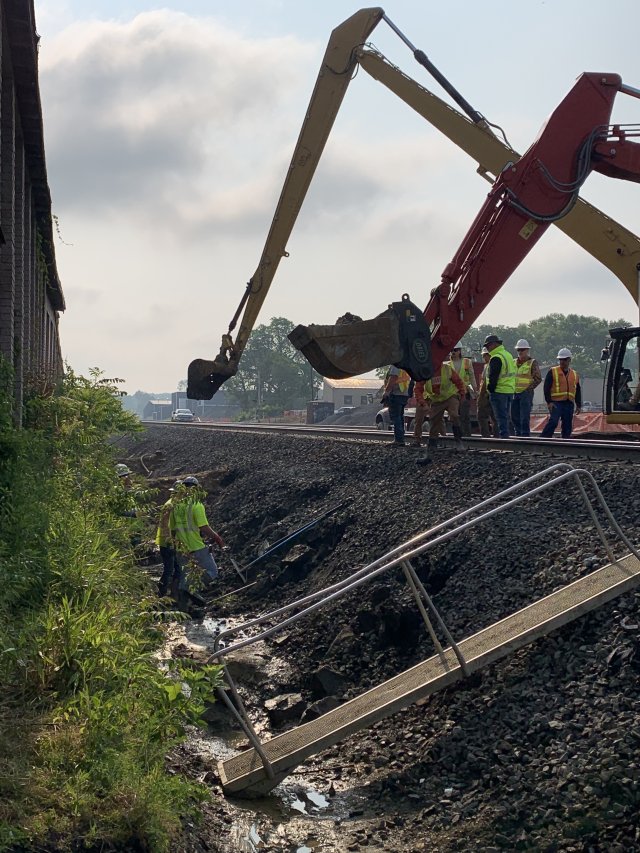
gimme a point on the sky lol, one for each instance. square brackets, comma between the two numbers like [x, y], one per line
[169, 130]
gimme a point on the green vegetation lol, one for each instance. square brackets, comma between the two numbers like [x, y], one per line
[585, 337]
[87, 714]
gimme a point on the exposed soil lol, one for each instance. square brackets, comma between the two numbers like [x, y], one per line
[538, 752]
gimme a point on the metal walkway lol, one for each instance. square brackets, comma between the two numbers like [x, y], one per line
[259, 769]
[245, 771]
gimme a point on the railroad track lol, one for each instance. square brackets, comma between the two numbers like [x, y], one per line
[584, 448]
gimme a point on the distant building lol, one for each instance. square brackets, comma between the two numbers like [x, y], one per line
[157, 410]
[220, 408]
[351, 392]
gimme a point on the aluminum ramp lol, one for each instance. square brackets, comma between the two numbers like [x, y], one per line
[244, 772]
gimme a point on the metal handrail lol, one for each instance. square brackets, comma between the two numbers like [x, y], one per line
[400, 556]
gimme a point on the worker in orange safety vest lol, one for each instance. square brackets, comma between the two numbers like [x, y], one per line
[562, 394]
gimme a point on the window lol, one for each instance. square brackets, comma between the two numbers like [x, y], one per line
[348, 399]
[363, 400]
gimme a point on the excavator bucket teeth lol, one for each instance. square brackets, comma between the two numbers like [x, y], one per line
[204, 378]
[353, 346]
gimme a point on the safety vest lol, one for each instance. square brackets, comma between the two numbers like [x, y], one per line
[507, 380]
[402, 385]
[447, 387]
[523, 375]
[466, 370]
[563, 385]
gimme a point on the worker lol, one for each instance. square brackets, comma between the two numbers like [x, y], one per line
[486, 417]
[501, 382]
[444, 394]
[188, 524]
[126, 506]
[623, 392]
[396, 394]
[528, 377]
[464, 368]
[124, 474]
[171, 572]
[562, 394]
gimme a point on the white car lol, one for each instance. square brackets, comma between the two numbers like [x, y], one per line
[183, 415]
[383, 421]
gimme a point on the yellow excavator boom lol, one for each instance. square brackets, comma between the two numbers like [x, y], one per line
[605, 239]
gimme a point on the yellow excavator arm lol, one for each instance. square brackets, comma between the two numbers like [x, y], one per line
[608, 241]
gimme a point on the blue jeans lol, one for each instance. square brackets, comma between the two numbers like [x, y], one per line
[562, 410]
[521, 412]
[397, 402]
[501, 404]
[204, 559]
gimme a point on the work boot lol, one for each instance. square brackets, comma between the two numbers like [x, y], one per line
[162, 590]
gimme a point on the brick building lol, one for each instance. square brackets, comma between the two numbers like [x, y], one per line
[30, 292]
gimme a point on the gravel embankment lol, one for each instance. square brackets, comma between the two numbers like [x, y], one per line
[540, 751]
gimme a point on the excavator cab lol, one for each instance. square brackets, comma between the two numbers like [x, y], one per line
[622, 376]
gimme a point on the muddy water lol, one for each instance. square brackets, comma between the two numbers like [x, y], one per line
[296, 816]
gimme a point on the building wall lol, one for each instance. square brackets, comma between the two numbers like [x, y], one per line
[30, 292]
[341, 393]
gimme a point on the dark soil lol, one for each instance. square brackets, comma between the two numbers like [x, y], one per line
[538, 752]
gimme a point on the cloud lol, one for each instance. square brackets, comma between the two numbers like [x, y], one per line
[139, 115]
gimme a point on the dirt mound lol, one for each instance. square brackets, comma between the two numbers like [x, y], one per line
[537, 753]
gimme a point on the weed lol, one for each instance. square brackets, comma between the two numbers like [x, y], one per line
[86, 717]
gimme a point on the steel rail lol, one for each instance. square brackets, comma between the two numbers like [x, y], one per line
[582, 448]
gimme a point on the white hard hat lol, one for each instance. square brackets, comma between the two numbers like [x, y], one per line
[564, 353]
[522, 344]
[122, 470]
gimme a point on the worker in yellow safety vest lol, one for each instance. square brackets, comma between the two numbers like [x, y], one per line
[528, 377]
[563, 395]
[486, 418]
[464, 368]
[501, 382]
[395, 395]
[443, 394]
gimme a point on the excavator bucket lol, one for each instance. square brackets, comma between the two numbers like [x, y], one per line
[204, 377]
[400, 336]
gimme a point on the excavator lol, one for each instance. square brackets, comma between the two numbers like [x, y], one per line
[528, 193]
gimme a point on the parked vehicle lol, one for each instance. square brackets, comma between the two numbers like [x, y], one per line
[383, 421]
[588, 406]
[183, 415]
[344, 410]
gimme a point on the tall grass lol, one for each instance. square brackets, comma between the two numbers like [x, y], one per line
[86, 714]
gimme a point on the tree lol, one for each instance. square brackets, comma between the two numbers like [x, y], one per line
[584, 336]
[273, 374]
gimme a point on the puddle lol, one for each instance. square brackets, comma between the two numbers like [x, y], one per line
[295, 816]
[304, 800]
